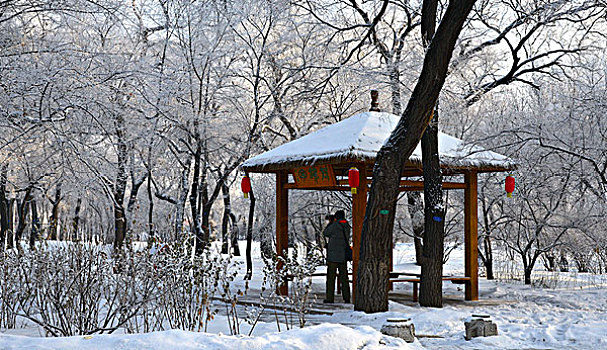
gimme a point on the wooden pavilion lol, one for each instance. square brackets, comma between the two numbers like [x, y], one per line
[321, 160]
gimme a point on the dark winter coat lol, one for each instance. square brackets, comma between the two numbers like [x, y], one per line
[336, 249]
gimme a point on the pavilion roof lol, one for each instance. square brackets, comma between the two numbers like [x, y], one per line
[359, 138]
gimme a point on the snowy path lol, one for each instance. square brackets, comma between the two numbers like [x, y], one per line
[572, 316]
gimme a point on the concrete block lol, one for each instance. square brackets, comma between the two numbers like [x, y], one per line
[400, 328]
[479, 326]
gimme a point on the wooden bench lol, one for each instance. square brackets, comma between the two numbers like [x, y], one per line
[417, 278]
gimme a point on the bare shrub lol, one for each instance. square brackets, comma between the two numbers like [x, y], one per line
[79, 289]
[298, 271]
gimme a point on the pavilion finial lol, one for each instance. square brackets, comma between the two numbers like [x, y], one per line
[374, 102]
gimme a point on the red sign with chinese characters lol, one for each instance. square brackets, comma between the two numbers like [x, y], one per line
[314, 176]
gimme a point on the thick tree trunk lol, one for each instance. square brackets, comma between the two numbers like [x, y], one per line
[130, 207]
[526, 268]
[150, 208]
[489, 268]
[206, 224]
[120, 183]
[54, 220]
[235, 232]
[22, 216]
[119, 226]
[194, 199]
[395, 89]
[3, 205]
[376, 238]
[249, 273]
[180, 203]
[431, 286]
[207, 200]
[487, 251]
[35, 229]
[76, 220]
[528, 275]
[416, 212]
[550, 262]
[225, 221]
[418, 244]
[11, 224]
[205, 204]
[488, 258]
[563, 263]
[416, 209]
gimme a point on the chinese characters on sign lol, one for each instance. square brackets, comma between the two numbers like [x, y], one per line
[314, 176]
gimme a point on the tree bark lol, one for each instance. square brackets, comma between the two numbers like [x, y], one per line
[206, 203]
[180, 203]
[486, 254]
[194, 199]
[563, 263]
[11, 224]
[130, 207]
[225, 222]
[488, 258]
[431, 286]
[528, 275]
[119, 225]
[35, 229]
[54, 220]
[120, 182]
[416, 212]
[22, 215]
[376, 240]
[150, 207]
[76, 220]
[394, 73]
[3, 205]
[235, 233]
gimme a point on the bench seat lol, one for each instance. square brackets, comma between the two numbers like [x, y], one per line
[417, 280]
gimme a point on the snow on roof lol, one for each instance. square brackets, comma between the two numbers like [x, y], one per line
[361, 136]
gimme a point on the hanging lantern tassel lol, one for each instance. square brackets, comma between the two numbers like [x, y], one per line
[245, 185]
[353, 179]
[509, 185]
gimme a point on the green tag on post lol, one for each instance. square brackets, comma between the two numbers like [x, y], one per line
[384, 212]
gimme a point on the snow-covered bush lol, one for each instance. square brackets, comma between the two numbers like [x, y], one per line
[297, 270]
[188, 285]
[9, 290]
[78, 289]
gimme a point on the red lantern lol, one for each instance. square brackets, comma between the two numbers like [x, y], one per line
[245, 185]
[353, 179]
[509, 185]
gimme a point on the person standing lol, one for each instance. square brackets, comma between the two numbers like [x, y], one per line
[338, 233]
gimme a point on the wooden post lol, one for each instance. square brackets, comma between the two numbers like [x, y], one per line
[282, 223]
[359, 206]
[471, 235]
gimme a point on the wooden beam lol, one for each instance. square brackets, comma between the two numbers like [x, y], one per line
[410, 189]
[320, 188]
[471, 234]
[344, 182]
[446, 185]
[359, 206]
[420, 184]
[282, 223]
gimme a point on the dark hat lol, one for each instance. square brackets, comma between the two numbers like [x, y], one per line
[339, 215]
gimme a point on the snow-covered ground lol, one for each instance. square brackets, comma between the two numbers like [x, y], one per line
[569, 311]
